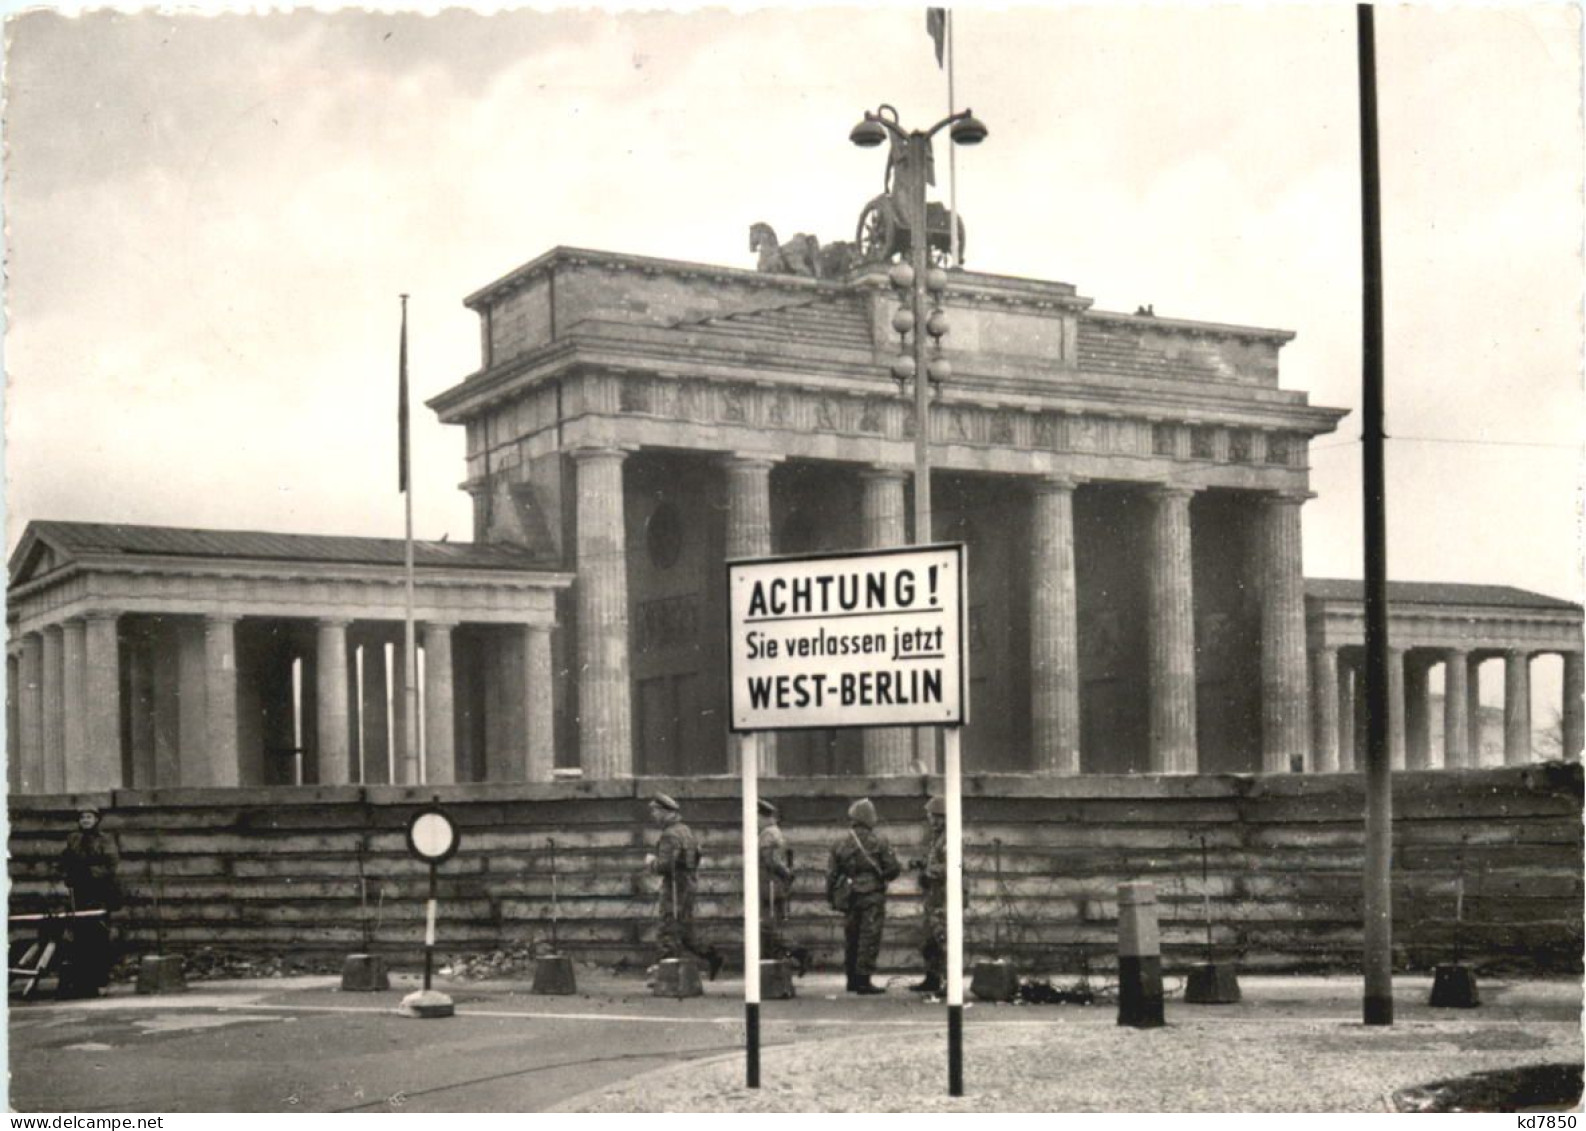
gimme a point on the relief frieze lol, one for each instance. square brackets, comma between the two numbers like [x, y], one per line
[698, 400]
[634, 395]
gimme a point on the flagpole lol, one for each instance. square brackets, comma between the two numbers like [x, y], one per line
[952, 151]
[410, 696]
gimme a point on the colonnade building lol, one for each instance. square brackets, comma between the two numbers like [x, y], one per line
[1130, 489]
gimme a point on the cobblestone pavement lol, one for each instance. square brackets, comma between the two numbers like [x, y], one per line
[299, 1044]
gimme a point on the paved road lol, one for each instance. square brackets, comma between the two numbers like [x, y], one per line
[302, 1045]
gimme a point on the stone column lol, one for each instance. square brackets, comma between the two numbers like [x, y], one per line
[539, 724]
[749, 536]
[373, 702]
[79, 759]
[1473, 709]
[30, 713]
[54, 710]
[1572, 730]
[13, 718]
[1347, 691]
[1456, 711]
[1324, 710]
[102, 690]
[440, 720]
[888, 750]
[404, 764]
[604, 694]
[1283, 696]
[1516, 707]
[1417, 729]
[1172, 634]
[1396, 708]
[220, 697]
[330, 705]
[1054, 630]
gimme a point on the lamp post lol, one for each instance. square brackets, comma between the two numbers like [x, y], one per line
[910, 165]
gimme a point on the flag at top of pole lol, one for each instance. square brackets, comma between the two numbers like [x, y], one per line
[402, 404]
[936, 25]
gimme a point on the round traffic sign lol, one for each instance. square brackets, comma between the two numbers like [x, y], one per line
[432, 836]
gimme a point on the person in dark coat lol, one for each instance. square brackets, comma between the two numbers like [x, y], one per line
[88, 866]
[862, 865]
[933, 884]
[676, 861]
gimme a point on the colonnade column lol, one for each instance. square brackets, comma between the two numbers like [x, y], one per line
[79, 759]
[13, 716]
[1473, 709]
[1324, 710]
[1283, 706]
[220, 697]
[1417, 728]
[1347, 691]
[1395, 708]
[30, 713]
[1054, 630]
[888, 750]
[1456, 710]
[749, 536]
[604, 695]
[102, 691]
[331, 723]
[440, 736]
[539, 725]
[54, 710]
[1172, 634]
[1516, 707]
[1572, 730]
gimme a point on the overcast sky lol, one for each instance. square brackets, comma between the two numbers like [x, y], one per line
[209, 220]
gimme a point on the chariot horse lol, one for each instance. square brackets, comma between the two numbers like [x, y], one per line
[801, 255]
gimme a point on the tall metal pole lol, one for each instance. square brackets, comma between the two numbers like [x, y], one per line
[1378, 934]
[919, 240]
[919, 260]
[410, 695]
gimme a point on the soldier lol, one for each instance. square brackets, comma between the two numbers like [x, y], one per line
[676, 861]
[776, 884]
[862, 865]
[933, 883]
[88, 865]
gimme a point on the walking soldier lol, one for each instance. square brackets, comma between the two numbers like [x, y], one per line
[676, 861]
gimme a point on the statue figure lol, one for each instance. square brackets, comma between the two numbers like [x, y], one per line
[801, 255]
[837, 259]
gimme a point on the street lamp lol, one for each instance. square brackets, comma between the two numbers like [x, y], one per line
[909, 171]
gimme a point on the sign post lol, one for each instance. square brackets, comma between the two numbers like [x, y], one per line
[955, 912]
[875, 638]
[433, 838]
[749, 755]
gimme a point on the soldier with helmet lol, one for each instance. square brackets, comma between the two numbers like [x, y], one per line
[933, 883]
[776, 885]
[676, 861]
[862, 865]
[88, 866]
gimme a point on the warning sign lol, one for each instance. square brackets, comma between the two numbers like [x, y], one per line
[848, 640]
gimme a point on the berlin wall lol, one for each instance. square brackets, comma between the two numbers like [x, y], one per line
[310, 872]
